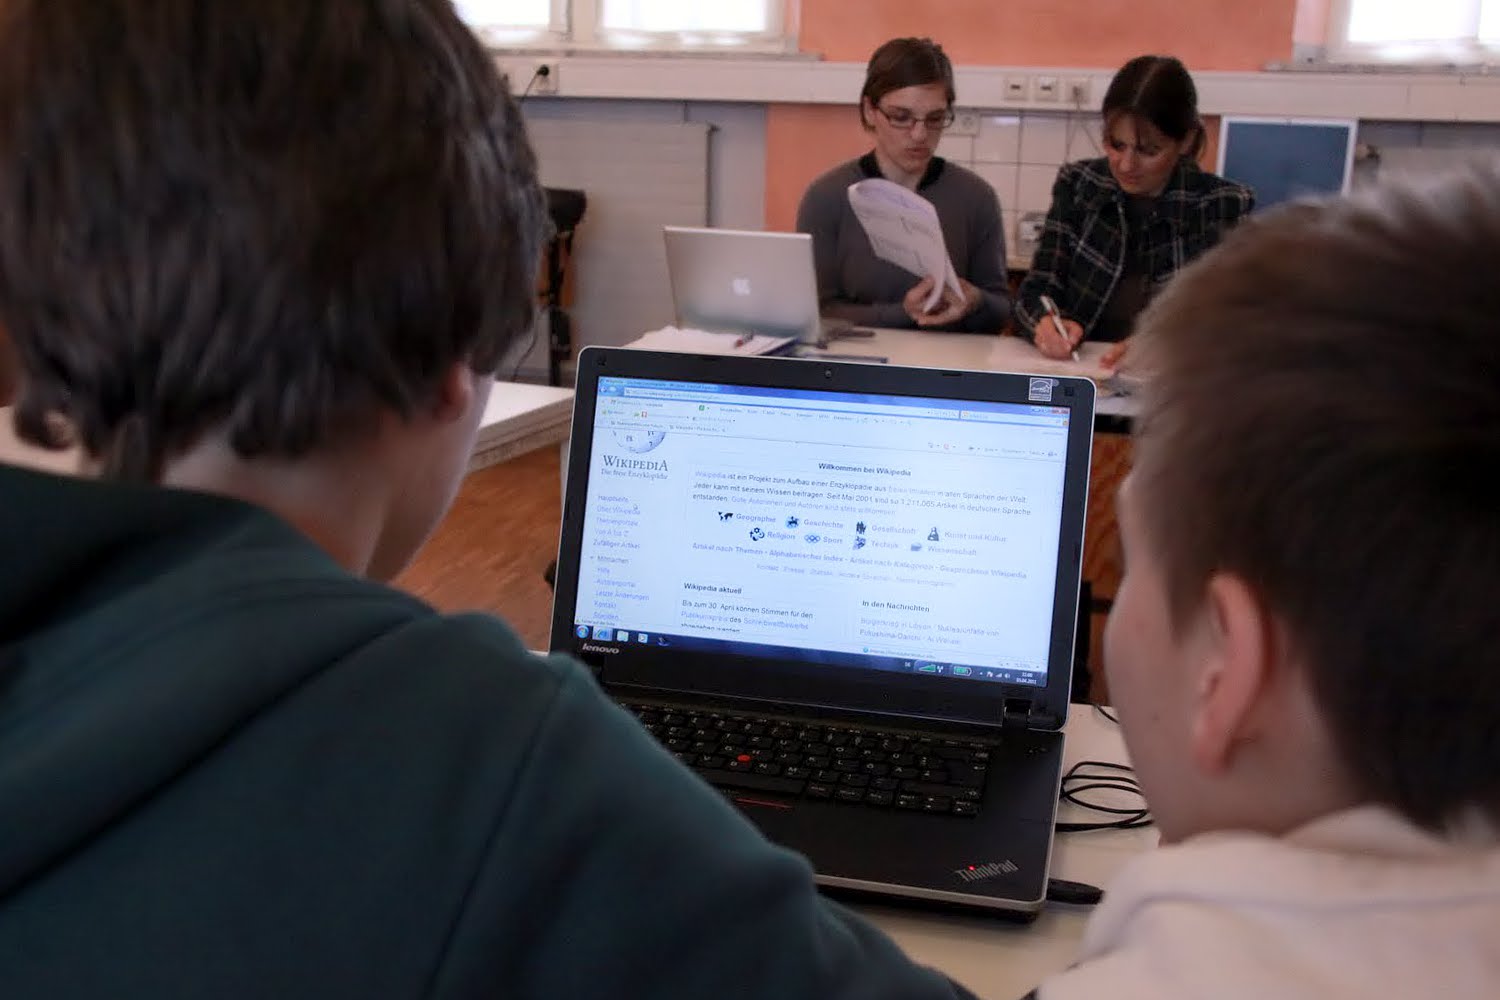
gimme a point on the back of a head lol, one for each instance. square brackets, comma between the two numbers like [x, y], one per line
[1325, 423]
[1160, 91]
[267, 219]
[907, 62]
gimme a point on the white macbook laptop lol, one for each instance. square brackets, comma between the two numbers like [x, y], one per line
[737, 281]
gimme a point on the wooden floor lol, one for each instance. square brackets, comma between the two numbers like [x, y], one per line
[492, 548]
[490, 551]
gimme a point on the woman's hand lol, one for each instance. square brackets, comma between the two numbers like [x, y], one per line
[1055, 345]
[950, 308]
[1111, 358]
[916, 298]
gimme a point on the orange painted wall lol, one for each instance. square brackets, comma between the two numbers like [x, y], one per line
[1208, 34]
[803, 140]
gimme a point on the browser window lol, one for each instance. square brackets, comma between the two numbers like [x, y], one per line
[858, 531]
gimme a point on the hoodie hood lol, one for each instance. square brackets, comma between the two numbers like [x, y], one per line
[107, 690]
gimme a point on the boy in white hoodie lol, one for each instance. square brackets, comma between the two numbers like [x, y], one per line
[1305, 650]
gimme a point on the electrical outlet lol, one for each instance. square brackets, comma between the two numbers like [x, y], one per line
[1017, 90]
[1079, 92]
[1029, 232]
[1045, 88]
[964, 123]
[544, 78]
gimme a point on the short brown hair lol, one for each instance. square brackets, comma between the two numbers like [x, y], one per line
[272, 219]
[1324, 423]
[906, 62]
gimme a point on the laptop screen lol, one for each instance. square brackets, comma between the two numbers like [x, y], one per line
[845, 530]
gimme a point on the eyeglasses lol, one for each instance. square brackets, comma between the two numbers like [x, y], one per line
[905, 120]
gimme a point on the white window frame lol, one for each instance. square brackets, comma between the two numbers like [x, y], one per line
[554, 35]
[576, 27]
[1461, 52]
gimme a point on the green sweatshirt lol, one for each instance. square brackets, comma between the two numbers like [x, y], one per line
[230, 769]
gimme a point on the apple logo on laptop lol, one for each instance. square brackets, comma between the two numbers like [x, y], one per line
[741, 286]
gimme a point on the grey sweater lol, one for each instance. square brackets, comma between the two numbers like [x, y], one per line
[856, 285]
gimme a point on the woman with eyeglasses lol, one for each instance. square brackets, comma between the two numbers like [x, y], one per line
[906, 104]
[1122, 225]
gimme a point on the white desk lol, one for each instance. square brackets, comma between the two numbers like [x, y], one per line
[977, 352]
[1004, 961]
[980, 352]
[521, 418]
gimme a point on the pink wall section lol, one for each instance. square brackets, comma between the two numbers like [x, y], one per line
[803, 140]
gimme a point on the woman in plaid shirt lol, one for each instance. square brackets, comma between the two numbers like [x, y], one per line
[1121, 226]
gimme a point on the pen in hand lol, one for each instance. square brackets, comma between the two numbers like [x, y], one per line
[1057, 323]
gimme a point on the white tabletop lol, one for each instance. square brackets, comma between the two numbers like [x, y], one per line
[1004, 961]
[519, 418]
[981, 352]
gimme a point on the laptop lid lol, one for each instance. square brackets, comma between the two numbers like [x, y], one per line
[869, 538]
[737, 281]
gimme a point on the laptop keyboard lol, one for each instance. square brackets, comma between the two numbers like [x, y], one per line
[838, 763]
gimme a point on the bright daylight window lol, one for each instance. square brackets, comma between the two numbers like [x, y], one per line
[757, 25]
[1460, 32]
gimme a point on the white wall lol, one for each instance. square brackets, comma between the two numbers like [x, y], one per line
[640, 173]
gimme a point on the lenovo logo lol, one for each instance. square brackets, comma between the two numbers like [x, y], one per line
[979, 873]
[589, 647]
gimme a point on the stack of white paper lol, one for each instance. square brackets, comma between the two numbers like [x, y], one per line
[903, 228]
[688, 341]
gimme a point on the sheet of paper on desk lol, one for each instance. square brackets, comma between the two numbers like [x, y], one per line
[903, 228]
[688, 341]
[1014, 354]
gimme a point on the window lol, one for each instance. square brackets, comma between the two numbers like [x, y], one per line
[1462, 32]
[753, 25]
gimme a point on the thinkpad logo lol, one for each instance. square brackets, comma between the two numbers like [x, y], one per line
[589, 647]
[979, 873]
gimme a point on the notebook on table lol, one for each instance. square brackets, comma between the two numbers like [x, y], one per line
[846, 595]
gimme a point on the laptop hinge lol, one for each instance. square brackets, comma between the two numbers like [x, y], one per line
[1017, 714]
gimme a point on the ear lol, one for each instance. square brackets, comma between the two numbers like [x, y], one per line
[1236, 672]
[867, 113]
[1193, 144]
[455, 393]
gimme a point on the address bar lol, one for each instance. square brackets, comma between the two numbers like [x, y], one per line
[874, 409]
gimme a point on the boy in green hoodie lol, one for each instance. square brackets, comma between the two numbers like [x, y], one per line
[261, 260]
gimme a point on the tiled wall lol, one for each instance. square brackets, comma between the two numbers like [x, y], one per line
[1019, 154]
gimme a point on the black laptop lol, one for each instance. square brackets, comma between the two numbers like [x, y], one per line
[846, 595]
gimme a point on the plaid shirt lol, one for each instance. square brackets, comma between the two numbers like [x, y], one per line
[1081, 254]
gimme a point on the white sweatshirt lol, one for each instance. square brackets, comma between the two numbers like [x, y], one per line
[1357, 904]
